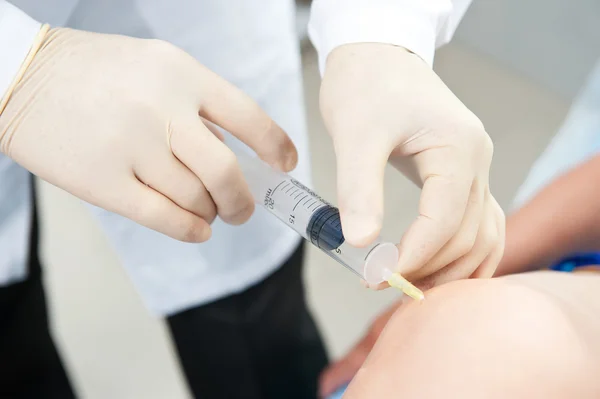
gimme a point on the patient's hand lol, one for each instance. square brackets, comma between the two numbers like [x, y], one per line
[342, 371]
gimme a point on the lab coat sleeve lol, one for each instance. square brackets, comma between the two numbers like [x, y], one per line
[417, 25]
[17, 34]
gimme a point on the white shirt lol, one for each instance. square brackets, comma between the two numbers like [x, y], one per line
[253, 45]
[577, 140]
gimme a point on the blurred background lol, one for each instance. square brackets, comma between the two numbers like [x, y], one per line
[516, 64]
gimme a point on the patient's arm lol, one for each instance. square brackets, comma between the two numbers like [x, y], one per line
[527, 336]
[563, 218]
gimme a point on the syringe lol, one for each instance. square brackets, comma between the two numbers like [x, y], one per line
[319, 222]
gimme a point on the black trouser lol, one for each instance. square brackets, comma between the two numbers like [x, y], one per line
[261, 343]
[30, 366]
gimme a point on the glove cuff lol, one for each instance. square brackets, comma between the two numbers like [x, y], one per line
[33, 50]
[35, 47]
[17, 33]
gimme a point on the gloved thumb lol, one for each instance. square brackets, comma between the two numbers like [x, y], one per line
[360, 171]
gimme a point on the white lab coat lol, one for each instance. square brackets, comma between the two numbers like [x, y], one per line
[577, 141]
[253, 45]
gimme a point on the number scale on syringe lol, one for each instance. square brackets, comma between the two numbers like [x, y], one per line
[316, 220]
[307, 213]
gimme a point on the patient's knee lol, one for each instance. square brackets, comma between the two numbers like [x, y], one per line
[478, 338]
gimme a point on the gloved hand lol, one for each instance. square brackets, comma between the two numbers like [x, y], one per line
[381, 102]
[117, 122]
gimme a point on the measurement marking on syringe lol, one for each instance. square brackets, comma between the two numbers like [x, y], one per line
[316, 203]
[309, 198]
[301, 192]
[290, 189]
[286, 183]
[297, 203]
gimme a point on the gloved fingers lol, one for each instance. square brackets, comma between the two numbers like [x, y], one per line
[150, 208]
[214, 129]
[465, 266]
[216, 166]
[442, 206]
[360, 177]
[233, 110]
[463, 242]
[489, 265]
[161, 171]
[376, 287]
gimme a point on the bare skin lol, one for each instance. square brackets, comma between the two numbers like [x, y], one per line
[562, 219]
[532, 335]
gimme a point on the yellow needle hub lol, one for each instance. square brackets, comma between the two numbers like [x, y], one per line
[399, 282]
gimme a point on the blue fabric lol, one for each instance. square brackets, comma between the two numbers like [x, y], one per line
[574, 261]
[339, 393]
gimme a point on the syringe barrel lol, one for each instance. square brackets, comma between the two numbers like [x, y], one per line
[262, 180]
[316, 220]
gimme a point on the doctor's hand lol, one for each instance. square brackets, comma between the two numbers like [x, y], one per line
[125, 124]
[382, 103]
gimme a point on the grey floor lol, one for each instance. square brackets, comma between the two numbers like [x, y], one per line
[114, 349]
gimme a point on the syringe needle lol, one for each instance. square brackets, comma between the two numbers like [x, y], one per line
[397, 281]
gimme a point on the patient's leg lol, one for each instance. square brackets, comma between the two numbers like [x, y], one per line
[534, 335]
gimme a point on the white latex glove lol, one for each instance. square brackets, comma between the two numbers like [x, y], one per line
[381, 102]
[117, 122]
